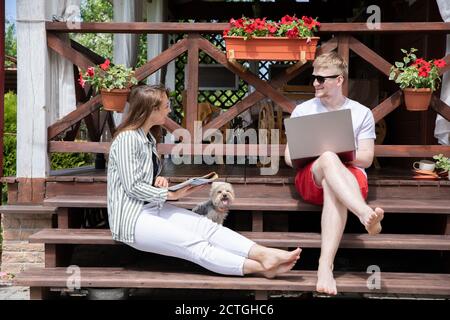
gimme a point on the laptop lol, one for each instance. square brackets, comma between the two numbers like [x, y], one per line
[310, 136]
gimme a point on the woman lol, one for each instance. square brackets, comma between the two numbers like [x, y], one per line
[140, 216]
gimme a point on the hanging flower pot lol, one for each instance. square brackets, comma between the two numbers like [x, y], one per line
[113, 83]
[417, 99]
[271, 48]
[291, 38]
[115, 99]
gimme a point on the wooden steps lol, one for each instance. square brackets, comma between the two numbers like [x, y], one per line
[267, 202]
[271, 239]
[399, 283]
[27, 209]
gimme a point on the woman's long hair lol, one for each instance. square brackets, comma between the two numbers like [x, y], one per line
[143, 100]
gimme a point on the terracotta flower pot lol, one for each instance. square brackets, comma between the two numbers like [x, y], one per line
[115, 99]
[271, 48]
[417, 99]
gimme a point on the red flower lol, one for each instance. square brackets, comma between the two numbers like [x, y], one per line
[309, 22]
[225, 32]
[292, 33]
[272, 28]
[440, 63]
[423, 71]
[105, 65]
[287, 19]
[91, 72]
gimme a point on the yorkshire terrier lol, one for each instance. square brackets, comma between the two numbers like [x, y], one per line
[220, 198]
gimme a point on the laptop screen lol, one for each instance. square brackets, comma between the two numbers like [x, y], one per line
[310, 136]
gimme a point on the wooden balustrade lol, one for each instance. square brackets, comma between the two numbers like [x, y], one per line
[343, 42]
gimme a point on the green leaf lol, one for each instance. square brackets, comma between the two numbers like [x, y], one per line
[399, 64]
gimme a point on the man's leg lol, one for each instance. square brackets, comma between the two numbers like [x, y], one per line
[346, 189]
[334, 217]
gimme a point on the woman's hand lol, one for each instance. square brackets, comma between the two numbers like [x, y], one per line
[183, 192]
[161, 182]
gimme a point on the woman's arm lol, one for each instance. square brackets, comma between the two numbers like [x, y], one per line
[131, 171]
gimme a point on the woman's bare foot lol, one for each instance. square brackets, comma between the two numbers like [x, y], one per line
[272, 258]
[325, 280]
[280, 269]
[372, 221]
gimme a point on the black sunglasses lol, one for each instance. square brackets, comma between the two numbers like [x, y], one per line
[321, 79]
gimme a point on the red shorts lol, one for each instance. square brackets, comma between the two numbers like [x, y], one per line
[312, 193]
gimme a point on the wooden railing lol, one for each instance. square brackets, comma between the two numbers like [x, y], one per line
[193, 42]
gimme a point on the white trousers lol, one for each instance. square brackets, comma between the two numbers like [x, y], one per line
[181, 233]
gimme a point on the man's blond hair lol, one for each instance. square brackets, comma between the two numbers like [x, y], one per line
[330, 60]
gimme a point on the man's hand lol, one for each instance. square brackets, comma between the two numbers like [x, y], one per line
[161, 182]
[183, 192]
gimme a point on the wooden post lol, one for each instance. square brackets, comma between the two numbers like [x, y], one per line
[257, 221]
[192, 85]
[2, 79]
[32, 85]
[63, 218]
[344, 52]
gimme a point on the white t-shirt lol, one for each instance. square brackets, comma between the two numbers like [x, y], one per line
[362, 117]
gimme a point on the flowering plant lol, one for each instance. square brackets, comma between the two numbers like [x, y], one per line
[416, 72]
[288, 26]
[107, 77]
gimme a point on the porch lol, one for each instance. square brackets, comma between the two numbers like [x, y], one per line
[267, 207]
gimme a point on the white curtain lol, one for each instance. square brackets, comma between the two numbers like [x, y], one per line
[126, 45]
[442, 129]
[156, 12]
[61, 89]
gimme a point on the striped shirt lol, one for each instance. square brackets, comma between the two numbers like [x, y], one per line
[130, 177]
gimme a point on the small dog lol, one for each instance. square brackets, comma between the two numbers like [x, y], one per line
[220, 198]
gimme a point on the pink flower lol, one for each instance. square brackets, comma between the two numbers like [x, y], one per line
[81, 81]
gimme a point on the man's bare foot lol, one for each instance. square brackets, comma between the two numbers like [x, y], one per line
[272, 258]
[373, 225]
[325, 280]
[280, 269]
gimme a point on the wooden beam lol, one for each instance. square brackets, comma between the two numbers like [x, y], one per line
[440, 107]
[73, 117]
[369, 55]
[192, 85]
[260, 85]
[387, 106]
[344, 52]
[65, 50]
[171, 125]
[162, 59]
[400, 151]
[175, 27]
[411, 151]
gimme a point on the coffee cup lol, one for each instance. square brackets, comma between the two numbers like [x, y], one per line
[424, 165]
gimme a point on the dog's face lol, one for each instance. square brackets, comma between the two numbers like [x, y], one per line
[221, 194]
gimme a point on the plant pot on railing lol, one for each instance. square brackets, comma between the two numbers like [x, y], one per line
[271, 48]
[291, 38]
[417, 99]
[115, 99]
[113, 83]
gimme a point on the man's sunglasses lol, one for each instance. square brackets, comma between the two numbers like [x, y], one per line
[321, 79]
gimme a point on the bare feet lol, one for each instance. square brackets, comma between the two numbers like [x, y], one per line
[280, 269]
[372, 221]
[325, 280]
[273, 258]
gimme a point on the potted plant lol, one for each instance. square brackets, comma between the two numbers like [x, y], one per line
[112, 82]
[418, 78]
[442, 165]
[290, 38]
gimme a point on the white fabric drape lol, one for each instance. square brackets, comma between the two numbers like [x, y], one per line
[62, 98]
[442, 129]
[126, 45]
[156, 12]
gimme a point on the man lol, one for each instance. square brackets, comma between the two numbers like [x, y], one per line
[338, 186]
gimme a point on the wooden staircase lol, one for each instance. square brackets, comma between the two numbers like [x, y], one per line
[266, 200]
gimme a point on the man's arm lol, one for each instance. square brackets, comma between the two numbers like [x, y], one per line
[287, 156]
[364, 154]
